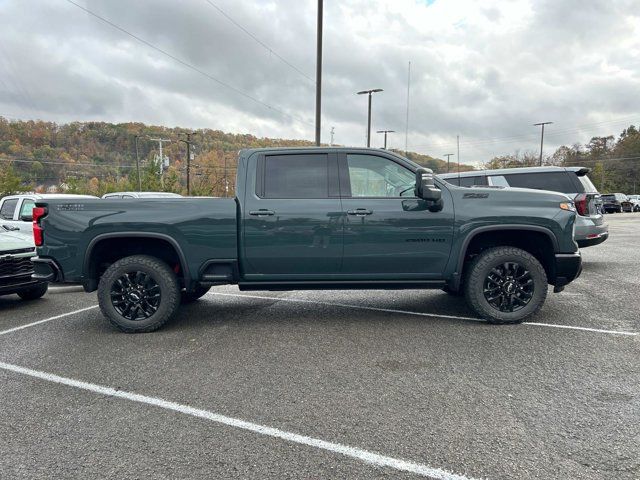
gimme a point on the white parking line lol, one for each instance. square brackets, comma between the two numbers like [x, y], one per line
[356, 453]
[433, 315]
[15, 329]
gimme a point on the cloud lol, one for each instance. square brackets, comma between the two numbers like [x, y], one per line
[483, 70]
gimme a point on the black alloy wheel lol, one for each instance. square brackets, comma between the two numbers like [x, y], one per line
[508, 287]
[135, 295]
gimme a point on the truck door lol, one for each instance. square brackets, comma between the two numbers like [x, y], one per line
[390, 233]
[292, 217]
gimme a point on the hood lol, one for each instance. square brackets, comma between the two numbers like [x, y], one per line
[14, 241]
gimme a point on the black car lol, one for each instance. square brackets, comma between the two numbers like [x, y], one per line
[616, 203]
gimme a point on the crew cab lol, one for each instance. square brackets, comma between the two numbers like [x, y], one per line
[313, 218]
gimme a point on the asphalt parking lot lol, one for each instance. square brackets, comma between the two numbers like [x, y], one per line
[346, 384]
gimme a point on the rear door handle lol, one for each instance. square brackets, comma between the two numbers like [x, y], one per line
[360, 212]
[262, 212]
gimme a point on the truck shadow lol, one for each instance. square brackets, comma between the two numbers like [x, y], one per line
[238, 310]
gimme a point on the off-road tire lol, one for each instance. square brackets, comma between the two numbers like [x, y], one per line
[481, 266]
[188, 297]
[159, 272]
[34, 293]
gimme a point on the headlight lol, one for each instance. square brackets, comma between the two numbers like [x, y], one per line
[570, 206]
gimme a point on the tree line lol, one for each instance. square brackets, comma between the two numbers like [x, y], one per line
[99, 157]
[614, 160]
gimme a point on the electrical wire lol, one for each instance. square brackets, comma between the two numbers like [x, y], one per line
[260, 42]
[189, 65]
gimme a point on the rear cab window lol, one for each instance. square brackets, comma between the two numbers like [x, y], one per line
[295, 176]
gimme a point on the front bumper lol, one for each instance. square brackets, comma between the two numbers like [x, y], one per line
[568, 267]
[17, 284]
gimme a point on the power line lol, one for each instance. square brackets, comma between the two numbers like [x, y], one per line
[189, 65]
[68, 164]
[260, 42]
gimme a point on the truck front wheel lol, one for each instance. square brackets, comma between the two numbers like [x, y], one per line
[138, 294]
[505, 285]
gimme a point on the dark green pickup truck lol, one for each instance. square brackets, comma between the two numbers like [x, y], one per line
[314, 218]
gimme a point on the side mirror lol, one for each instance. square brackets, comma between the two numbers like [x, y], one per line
[425, 186]
[26, 217]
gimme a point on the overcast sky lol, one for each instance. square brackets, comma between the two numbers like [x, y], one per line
[486, 70]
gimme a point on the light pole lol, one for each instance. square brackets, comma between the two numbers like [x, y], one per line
[188, 142]
[369, 92]
[541, 124]
[138, 164]
[448, 155]
[319, 72]
[385, 136]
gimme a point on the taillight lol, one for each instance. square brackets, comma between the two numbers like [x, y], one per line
[581, 204]
[38, 233]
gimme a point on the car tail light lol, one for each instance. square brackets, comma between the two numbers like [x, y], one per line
[38, 233]
[581, 204]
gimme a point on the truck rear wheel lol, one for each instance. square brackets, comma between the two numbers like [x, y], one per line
[505, 285]
[138, 294]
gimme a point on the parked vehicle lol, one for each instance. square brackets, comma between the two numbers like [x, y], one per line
[616, 203]
[591, 228]
[16, 268]
[141, 195]
[15, 210]
[635, 202]
[314, 218]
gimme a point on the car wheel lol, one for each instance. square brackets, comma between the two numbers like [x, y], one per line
[34, 293]
[188, 297]
[505, 285]
[138, 294]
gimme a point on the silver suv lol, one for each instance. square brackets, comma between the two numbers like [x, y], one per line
[591, 229]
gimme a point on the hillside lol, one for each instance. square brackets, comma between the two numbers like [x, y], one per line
[100, 157]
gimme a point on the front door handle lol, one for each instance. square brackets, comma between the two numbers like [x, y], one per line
[360, 212]
[262, 212]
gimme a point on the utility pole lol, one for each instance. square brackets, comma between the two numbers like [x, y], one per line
[448, 155]
[333, 130]
[138, 164]
[406, 128]
[319, 72]
[458, 144]
[188, 142]
[385, 136]
[369, 92]
[541, 124]
[160, 142]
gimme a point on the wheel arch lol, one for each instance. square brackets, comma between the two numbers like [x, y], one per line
[507, 235]
[90, 271]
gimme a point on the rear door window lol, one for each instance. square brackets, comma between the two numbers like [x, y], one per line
[8, 209]
[294, 176]
[553, 181]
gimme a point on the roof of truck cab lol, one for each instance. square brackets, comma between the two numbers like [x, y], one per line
[507, 171]
[249, 151]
